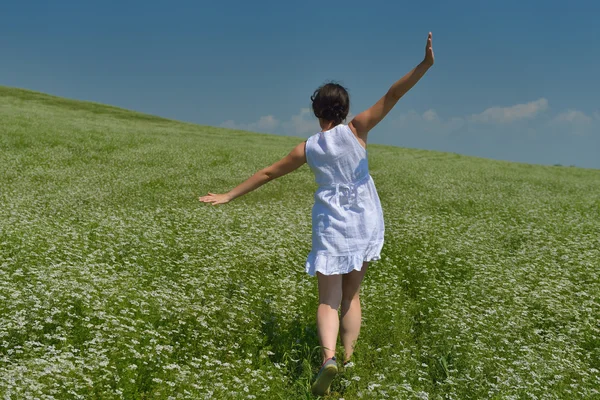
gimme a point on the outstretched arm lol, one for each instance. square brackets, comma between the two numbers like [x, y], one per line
[365, 121]
[289, 163]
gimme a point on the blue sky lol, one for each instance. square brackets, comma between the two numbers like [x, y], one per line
[513, 80]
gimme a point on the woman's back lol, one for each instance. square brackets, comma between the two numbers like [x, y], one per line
[348, 225]
[335, 156]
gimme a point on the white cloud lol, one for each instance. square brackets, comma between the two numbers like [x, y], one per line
[408, 118]
[302, 124]
[430, 115]
[305, 123]
[428, 122]
[575, 122]
[267, 123]
[574, 117]
[512, 113]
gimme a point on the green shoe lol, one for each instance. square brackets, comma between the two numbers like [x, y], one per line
[326, 374]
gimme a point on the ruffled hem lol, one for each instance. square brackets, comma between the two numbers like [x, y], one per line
[335, 265]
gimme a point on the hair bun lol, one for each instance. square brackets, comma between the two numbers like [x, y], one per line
[331, 102]
[334, 112]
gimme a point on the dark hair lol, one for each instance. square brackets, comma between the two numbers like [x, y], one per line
[331, 102]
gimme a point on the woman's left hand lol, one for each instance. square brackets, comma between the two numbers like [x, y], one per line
[429, 59]
[215, 198]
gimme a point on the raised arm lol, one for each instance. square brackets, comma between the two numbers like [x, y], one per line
[287, 164]
[366, 120]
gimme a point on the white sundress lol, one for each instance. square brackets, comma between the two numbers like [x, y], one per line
[347, 218]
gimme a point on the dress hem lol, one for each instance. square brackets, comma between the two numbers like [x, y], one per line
[336, 265]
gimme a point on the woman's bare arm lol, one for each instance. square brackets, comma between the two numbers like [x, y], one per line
[366, 120]
[289, 163]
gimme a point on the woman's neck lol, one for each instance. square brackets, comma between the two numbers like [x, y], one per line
[326, 125]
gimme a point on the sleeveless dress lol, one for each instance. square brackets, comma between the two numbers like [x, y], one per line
[347, 218]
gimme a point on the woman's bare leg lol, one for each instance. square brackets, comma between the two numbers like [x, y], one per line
[330, 295]
[351, 315]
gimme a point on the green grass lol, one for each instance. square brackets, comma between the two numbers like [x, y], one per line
[115, 282]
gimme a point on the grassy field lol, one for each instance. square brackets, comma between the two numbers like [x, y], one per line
[115, 282]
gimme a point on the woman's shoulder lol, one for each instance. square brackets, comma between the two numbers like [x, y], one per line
[345, 128]
[338, 128]
[311, 137]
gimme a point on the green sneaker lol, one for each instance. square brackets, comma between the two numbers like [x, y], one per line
[326, 374]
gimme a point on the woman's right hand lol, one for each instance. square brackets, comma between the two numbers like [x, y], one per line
[429, 59]
[215, 198]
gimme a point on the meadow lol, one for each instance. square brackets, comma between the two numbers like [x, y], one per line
[117, 283]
